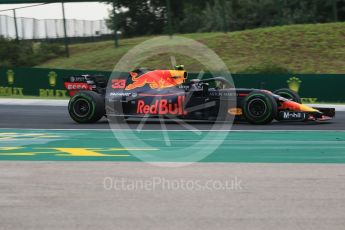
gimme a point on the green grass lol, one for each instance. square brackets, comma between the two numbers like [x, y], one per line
[317, 48]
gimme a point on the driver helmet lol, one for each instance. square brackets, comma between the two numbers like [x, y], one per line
[179, 67]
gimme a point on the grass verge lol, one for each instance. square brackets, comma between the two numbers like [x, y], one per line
[315, 48]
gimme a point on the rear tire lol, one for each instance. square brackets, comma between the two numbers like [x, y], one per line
[86, 107]
[260, 108]
[288, 94]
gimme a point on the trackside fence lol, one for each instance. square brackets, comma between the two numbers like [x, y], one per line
[38, 29]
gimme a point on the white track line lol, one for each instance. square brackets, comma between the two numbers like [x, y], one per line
[152, 130]
[38, 102]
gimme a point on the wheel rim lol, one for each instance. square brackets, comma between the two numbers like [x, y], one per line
[81, 107]
[257, 107]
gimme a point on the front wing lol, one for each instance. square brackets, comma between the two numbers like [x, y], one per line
[322, 114]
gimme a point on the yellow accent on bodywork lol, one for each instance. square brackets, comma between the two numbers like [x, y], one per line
[235, 111]
[178, 73]
[306, 108]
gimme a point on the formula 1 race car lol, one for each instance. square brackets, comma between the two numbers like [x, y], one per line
[168, 94]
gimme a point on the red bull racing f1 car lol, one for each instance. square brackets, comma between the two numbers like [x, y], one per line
[169, 94]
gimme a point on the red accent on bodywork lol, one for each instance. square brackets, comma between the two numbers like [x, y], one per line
[322, 118]
[133, 74]
[311, 118]
[156, 79]
[118, 83]
[325, 118]
[290, 105]
[162, 107]
[74, 87]
[294, 106]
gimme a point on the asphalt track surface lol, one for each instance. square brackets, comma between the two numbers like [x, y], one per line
[50, 117]
[67, 195]
[83, 195]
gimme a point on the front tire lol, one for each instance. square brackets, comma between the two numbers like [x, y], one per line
[86, 107]
[260, 108]
[288, 94]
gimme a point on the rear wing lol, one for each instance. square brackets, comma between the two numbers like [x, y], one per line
[74, 84]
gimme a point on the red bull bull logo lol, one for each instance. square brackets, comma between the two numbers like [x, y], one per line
[162, 107]
[158, 79]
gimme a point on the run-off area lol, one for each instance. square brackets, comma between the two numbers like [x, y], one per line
[172, 146]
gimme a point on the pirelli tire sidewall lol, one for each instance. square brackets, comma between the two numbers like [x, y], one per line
[265, 101]
[94, 103]
[289, 94]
